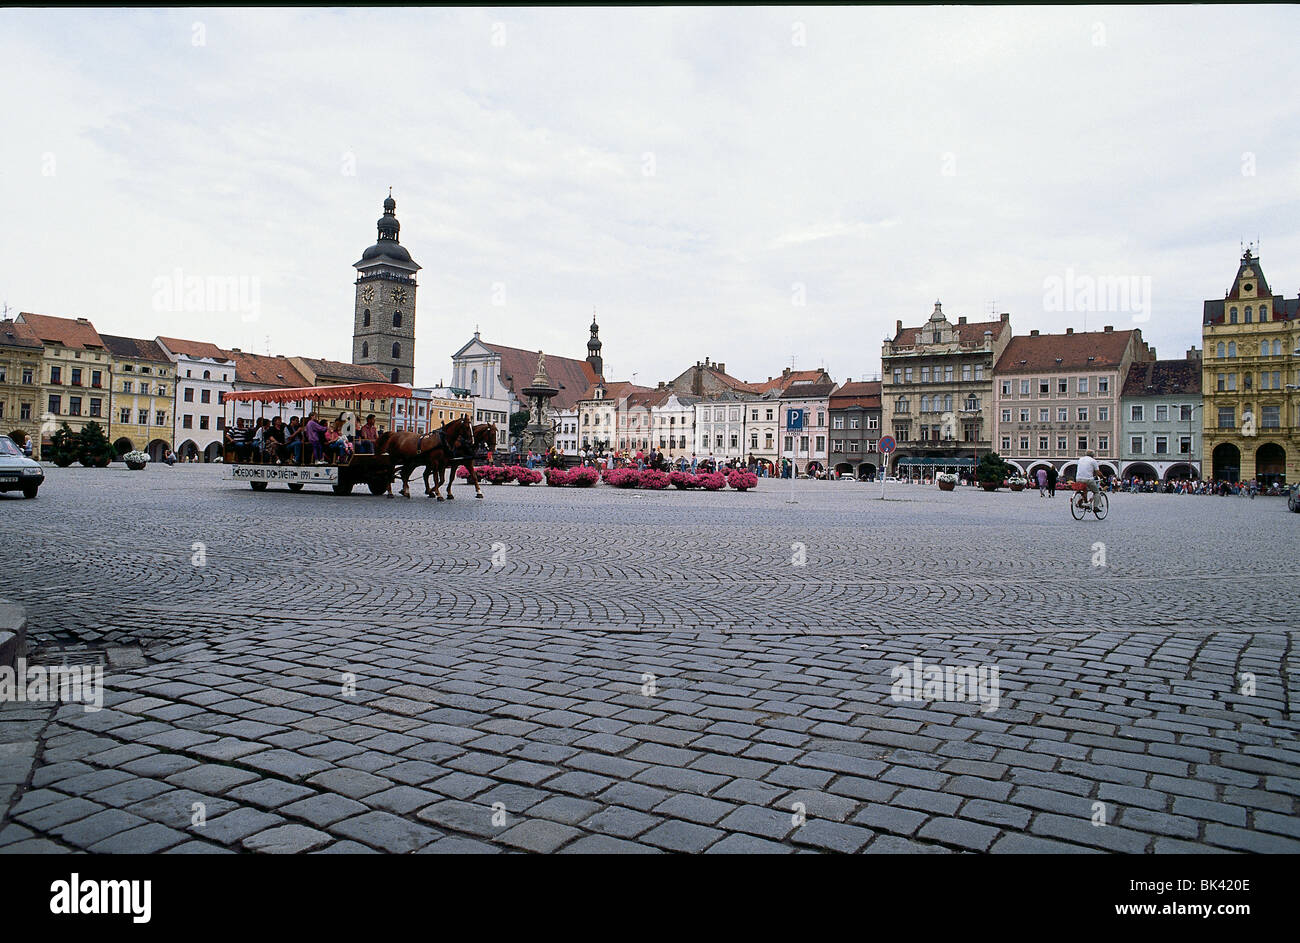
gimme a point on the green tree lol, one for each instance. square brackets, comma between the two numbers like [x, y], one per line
[992, 469]
[93, 448]
[64, 446]
[518, 421]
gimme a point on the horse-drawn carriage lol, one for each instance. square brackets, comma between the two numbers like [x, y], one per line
[396, 453]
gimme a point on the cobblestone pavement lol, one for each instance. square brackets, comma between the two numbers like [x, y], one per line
[599, 670]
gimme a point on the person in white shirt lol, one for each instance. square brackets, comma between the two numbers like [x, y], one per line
[1088, 471]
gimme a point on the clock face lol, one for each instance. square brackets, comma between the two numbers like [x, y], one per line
[399, 295]
[368, 294]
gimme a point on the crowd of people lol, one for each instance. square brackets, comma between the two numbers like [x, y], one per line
[301, 442]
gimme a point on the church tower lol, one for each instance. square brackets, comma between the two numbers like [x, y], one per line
[593, 348]
[383, 333]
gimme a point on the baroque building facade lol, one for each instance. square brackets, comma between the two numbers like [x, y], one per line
[1249, 381]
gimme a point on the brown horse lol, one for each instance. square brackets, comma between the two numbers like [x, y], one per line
[431, 449]
[485, 436]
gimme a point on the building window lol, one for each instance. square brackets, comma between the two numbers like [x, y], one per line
[1062, 385]
[1024, 387]
[56, 374]
[1083, 384]
[143, 416]
[1249, 314]
[187, 421]
[1024, 443]
[1006, 443]
[1232, 349]
[1083, 414]
[160, 419]
[1063, 414]
[947, 374]
[397, 350]
[365, 349]
[203, 422]
[1232, 315]
[1162, 445]
[1006, 387]
[925, 374]
[74, 405]
[1227, 417]
[1006, 415]
[1044, 387]
[1162, 413]
[1135, 413]
[1232, 381]
[205, 396]
[1185, 445]
[1042, 443]
[821, 443]
[1103, 414]
[1044, 415]
[1024, 415]
[365, 318]
[1218, 350]
[1083, 443]
[397, 319]
[126, 386]
[1103, 384]
[1271, 417]
[837, 422]
[124, 415]
[907, 374]
[965, 371]
[1060, 443]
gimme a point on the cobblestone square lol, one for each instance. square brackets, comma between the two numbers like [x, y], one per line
[597, 670]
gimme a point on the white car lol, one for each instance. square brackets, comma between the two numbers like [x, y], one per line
[17, 471]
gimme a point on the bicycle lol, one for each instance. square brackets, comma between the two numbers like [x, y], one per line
[1080, 505]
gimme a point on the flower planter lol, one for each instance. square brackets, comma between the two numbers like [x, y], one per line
[989, 485]
[1017, 487]
[135, 466]
[947, 485]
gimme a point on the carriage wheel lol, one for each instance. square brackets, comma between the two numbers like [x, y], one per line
[343, 488]
[295, 486]
[377, 486]
[257, 485]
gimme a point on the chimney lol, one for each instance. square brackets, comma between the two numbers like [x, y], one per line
[1069, 330]
[899, 329]
[1153, 354]
[1006, 316]
[1193, 354]
[722, 367]
[235, 350]
[962, 319]
[786, 372]
[1033, 333]
[1108, 329]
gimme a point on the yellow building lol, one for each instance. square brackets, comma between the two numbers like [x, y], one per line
[21, 366]
[141, 398]
[75, 373]
[1251, 387]
[426, 411]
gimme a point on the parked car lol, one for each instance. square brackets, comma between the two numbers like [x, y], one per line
[17, 471]
[1293, 499]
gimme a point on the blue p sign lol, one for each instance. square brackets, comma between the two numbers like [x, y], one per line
[794, 419]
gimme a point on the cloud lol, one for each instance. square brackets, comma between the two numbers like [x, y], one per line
[681, 170]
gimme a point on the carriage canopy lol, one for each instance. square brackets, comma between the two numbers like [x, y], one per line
[348, 391]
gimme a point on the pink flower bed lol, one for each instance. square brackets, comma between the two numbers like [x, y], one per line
[557, 477]
[623, 477]
[654, 480]
[583, 477]
[712, 481]
[682, 480]
[523, 474]
[742, 480]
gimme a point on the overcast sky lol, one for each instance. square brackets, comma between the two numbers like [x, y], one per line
[749, 185]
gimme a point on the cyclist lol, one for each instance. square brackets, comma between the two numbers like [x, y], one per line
[1087, 472]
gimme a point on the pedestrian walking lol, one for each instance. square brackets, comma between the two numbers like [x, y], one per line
[1051, 481]
[1042, 482]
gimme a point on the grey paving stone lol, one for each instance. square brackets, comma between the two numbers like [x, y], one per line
[287, 839]
[832, 836]
[386, 832]
[677, 835]
[146, 839]
[606, 845]
[538, 835]
[620, 822]
[95, 828]
[961, 832]
[765, 822]
[738, 843]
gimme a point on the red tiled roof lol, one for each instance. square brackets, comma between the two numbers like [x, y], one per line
[574, 378]
[17, 334]
[968, 335]
[1081, 350]
[265, 370]
[338, 371]
[785, 379]
[864, 393]
[73, 333]
[200, 349]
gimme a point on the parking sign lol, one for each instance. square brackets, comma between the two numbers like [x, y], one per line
[794, 419]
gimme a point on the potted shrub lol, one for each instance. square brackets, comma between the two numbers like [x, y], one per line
[136, 460]
[946, 481]
[1016, 483]
[63, 448]
[992, 471]
[93, 448]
